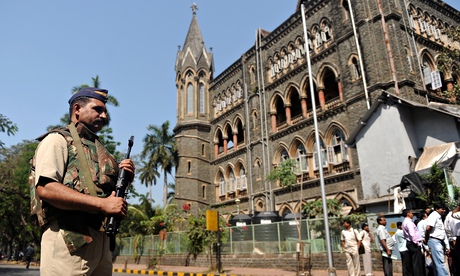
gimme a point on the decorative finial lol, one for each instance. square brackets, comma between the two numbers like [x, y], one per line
[194, 8]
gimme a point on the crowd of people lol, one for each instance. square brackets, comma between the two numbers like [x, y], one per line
[427, 246]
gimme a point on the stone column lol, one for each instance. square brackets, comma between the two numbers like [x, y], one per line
[322, 99]
[339, 85]
[287, 109]
[273, 118]
[303, 103]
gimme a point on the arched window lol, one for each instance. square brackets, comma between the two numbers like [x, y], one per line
[323, 155]
[252, 74]
[346, 10]
[242, 181]
[255, 120]
[257, 169]
[280, 111]
[301, 160]
[318, 39]
[337, 152]
[221, 184]
[202, 99]
[326, 33]
[428, 68]
[190, 101]
[331, 86]
[284, 155]
[355, 69]
[409, 59]
[231, 184]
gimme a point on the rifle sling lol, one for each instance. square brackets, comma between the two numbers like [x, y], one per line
[84, 172]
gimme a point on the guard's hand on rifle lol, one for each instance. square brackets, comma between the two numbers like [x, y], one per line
[115, 206]
[128, 165]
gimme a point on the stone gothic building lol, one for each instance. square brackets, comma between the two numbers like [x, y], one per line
[234, 128]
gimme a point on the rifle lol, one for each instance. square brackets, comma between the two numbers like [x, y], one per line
[122, 189]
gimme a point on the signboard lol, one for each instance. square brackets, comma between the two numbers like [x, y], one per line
[212, 220]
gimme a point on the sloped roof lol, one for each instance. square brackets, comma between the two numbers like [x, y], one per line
[386, 97]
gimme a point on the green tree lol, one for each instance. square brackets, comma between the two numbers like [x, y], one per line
[148, 176]
[200, 239]
[7, 126]
[284, 173]
[17, 227]
[436, 189]
[160, 151]
[314, 209]
[446, 60]
[95, 82]
[171, 192]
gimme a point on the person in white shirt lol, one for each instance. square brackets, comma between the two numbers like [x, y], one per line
[455, 233]
[351, 240]
[436, 239]
[421, 225]
[386, 244]
[406, 259]
[367, 239]
[451, 239]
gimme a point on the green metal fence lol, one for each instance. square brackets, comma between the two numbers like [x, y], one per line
[273, 238]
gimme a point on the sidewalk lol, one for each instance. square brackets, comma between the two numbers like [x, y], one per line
[227, 271]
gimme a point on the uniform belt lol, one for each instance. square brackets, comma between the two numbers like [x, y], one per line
[436, 239]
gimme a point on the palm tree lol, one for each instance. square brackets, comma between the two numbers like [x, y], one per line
[160, 150]
[148, 175]
[172, 192]
[65, 120]
[96, 84]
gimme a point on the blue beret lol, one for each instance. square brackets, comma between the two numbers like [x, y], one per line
[91, 92]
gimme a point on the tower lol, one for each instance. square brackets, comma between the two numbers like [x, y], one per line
[194, 71]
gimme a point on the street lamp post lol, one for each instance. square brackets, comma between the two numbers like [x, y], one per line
[237, 202]
[318, 149]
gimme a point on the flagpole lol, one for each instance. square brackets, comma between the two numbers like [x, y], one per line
[331, 268]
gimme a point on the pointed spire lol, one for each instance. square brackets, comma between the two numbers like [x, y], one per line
[194, 39]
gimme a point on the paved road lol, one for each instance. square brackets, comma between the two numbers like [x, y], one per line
[16, 270]
[20, 270]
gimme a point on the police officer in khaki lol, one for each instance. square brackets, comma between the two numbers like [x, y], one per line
[74, 207]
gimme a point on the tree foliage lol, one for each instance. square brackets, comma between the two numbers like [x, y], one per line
[200, 239]
[446, 60]
[7, 126]
[160, 150]
[314, 209]
[436, 189]
[284, 173]
[148, 176]
[17, 227]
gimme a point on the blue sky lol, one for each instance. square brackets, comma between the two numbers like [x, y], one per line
[47, 47]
